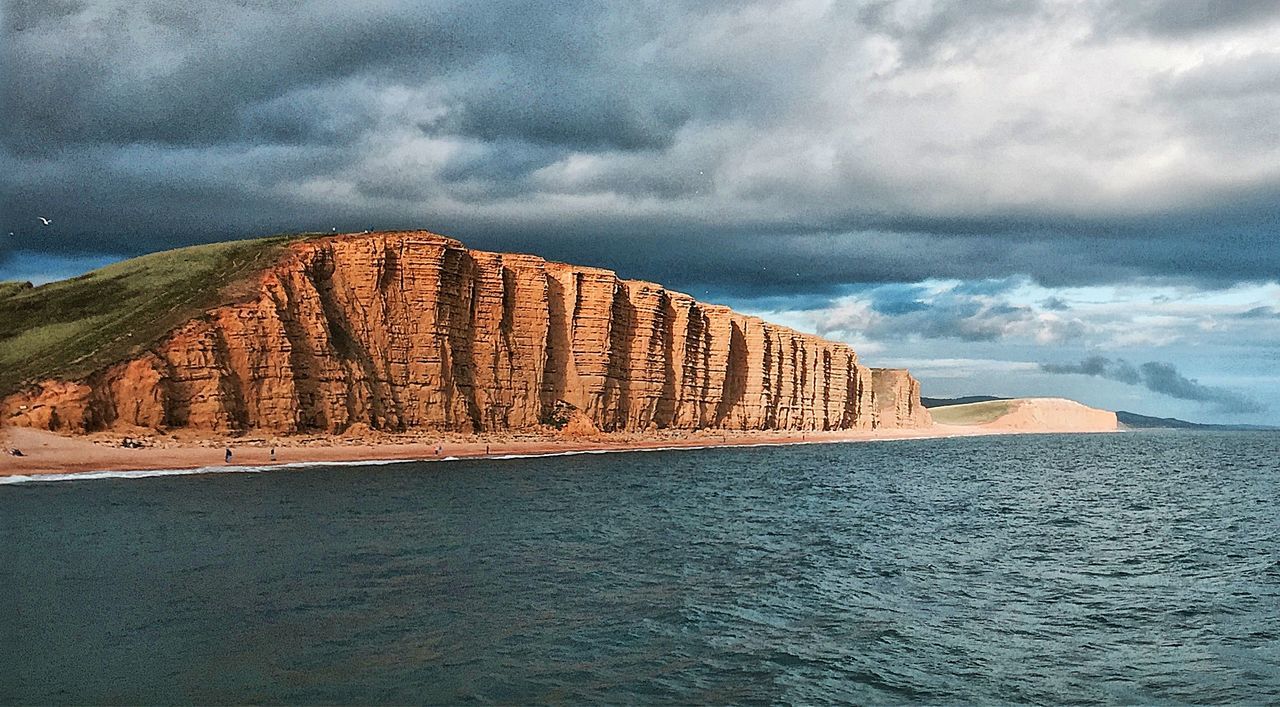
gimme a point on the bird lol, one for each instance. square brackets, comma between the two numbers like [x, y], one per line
[44, 220]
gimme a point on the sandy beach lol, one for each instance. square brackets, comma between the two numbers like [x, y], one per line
[48, 453]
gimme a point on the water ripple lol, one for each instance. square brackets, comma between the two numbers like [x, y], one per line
[1048, 569]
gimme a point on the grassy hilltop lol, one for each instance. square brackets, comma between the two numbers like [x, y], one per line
[71, 328]
[972, 413]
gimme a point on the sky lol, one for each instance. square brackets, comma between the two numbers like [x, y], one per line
[1011, 198]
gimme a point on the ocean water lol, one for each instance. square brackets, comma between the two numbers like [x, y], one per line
[1133, 568]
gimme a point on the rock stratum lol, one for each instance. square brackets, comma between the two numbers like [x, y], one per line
[413, 330]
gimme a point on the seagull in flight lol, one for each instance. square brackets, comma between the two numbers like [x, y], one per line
[44, 220]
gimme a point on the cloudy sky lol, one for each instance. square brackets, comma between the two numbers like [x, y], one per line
[1012, 198]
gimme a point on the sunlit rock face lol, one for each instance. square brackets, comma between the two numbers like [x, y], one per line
[413, 330]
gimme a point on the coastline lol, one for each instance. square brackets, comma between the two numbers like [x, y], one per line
[52, 457]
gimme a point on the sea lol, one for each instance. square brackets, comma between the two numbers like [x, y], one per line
[1137, 567]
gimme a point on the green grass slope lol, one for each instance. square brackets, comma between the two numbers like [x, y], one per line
[972, 413]
[71, 328]
[13, 287]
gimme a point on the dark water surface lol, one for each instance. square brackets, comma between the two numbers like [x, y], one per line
[1141, 567]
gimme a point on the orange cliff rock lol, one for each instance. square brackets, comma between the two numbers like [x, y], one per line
[412, 330]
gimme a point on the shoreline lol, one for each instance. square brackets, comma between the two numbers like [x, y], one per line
[51, 457]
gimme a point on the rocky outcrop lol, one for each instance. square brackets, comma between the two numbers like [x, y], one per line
[897, 399]
[412, 330]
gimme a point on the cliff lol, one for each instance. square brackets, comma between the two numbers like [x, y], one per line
[412, 330]
[896, 398]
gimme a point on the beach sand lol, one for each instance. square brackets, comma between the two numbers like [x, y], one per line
[49, 453]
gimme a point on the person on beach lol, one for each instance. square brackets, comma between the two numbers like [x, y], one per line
[273, 454]
[228, 455]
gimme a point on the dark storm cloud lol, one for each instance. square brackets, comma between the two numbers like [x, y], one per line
[1162, 378]
[897, 299]
[787, 261]
[1099, 366]
[897, 308]
[211, 73]
[747, 149]
[566, 109]
[1179, 18]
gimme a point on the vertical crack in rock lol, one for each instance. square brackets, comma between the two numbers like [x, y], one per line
[735, 381]
[231, 384]
[361, 400]
[826, 389]
[559, 347]
[664, 413]
[616, 400]
[456, 313]
[310, 411]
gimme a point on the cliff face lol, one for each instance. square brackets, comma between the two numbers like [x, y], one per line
[405, 330]
[897, 399]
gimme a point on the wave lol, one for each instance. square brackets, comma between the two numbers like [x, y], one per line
[127, 474]
[234, 469]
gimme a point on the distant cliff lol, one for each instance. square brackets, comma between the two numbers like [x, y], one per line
[412, 330]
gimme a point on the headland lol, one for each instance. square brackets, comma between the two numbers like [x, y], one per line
[401, 345]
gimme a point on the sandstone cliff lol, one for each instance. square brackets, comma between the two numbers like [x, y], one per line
[412, 330]
[896, 397]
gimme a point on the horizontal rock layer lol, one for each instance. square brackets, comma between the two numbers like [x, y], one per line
[412, 330]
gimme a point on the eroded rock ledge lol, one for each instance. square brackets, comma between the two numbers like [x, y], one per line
[413, 330]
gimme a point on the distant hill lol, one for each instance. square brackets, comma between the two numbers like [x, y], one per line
[945, 402]
[977, 411]
[1130, 420]
[1027, 415]
[1135, 421]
